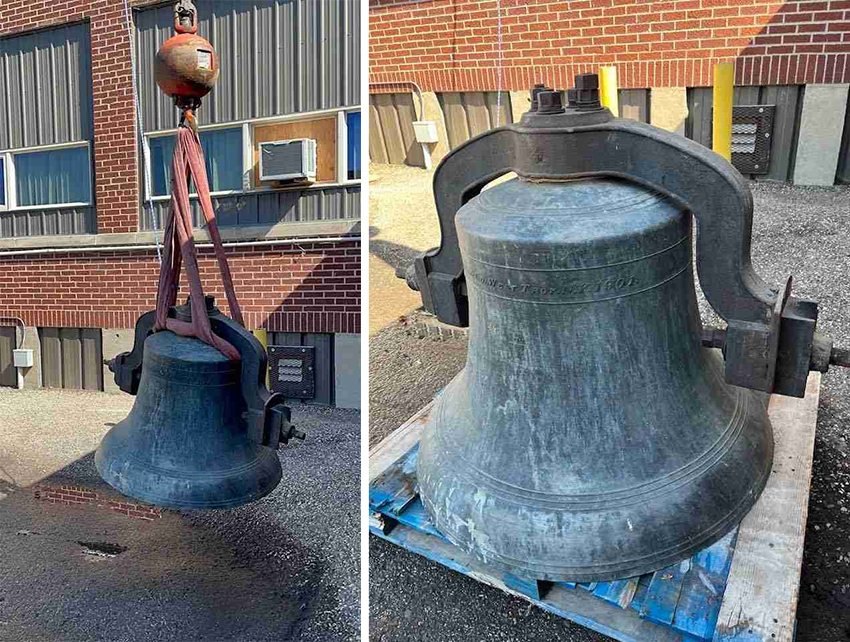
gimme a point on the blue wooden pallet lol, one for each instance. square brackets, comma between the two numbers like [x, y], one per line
[678, 603]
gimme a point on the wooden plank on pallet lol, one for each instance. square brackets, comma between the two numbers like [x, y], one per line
[578, 606]
[760, 603]
[619, 592]
[384, 454]
[703, 588]
[395, 488]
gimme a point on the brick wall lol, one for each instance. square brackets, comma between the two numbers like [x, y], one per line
[452, 45]
[114, 147]
[284, 288]
[308, 287]
[85, 497]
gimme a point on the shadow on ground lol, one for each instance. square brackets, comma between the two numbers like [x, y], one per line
[283, 568]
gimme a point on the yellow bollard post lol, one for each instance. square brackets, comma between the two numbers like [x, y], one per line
[608, 89]
[724, 77]
[262, 335]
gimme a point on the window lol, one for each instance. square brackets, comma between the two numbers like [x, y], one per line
[53, 177]
[352, 120]
[222, 152]
[46, 177]
[231, 151]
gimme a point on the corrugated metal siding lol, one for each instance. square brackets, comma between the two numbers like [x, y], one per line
[471, 113]
[8, 340]
[45, 98]
[634, 104]
[41, 222]
[71, 358]
[277, 57]
[788, 100]
[391, 137]
[323, 363]
[268, 208]
[45, 88]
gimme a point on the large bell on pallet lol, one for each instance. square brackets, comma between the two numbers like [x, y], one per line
[203, 431]
[591, 436]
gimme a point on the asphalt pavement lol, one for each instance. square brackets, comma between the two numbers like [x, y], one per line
[804, 231]
[284, 568]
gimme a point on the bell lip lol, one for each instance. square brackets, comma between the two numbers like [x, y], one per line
[264, 456]
[585, 574]
[628, 568]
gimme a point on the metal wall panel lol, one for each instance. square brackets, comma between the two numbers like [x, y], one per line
[269, 208]
[391, 137]
[45, 98]
[788, 100]
[42, 222]
[467, 114]
[277, 57]
[470, 113]
[71, 358]
[324, 360]
[45, 87]
[634, 104]
[8, 340]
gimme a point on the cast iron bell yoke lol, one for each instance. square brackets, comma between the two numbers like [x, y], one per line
[770, 342]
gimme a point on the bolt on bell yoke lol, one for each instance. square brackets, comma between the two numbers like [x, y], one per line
[204, 430]
[591, 435]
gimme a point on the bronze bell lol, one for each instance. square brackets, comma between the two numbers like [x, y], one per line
[204, 431]
[591, 435]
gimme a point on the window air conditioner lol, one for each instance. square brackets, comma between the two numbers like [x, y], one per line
[288, 160]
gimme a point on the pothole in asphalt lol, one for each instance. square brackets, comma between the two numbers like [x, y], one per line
[101, 549]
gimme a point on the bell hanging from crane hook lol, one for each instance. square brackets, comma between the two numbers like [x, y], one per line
[204, 430]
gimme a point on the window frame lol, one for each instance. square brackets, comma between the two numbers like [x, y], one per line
[248, 126]
[8, 156]
[4, 158]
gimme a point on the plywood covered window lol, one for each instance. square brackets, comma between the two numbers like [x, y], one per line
[322, 130]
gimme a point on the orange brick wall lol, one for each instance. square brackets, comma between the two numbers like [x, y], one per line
[308, 287]
[452, 45]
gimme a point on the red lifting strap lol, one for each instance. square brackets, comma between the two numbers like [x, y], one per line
[179, 243]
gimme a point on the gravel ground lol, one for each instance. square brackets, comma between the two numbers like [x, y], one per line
[396, 234]
[283, 568]
[797, 230]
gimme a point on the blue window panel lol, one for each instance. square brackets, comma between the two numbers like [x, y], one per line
[53, 177]
[2, 181]
[161, 151]
[355, 157]
[222, 153]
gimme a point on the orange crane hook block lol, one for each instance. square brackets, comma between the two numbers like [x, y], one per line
[186, 66]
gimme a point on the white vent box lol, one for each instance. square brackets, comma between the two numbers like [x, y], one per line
[425, 131]
[288, 160]
[22, 358]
